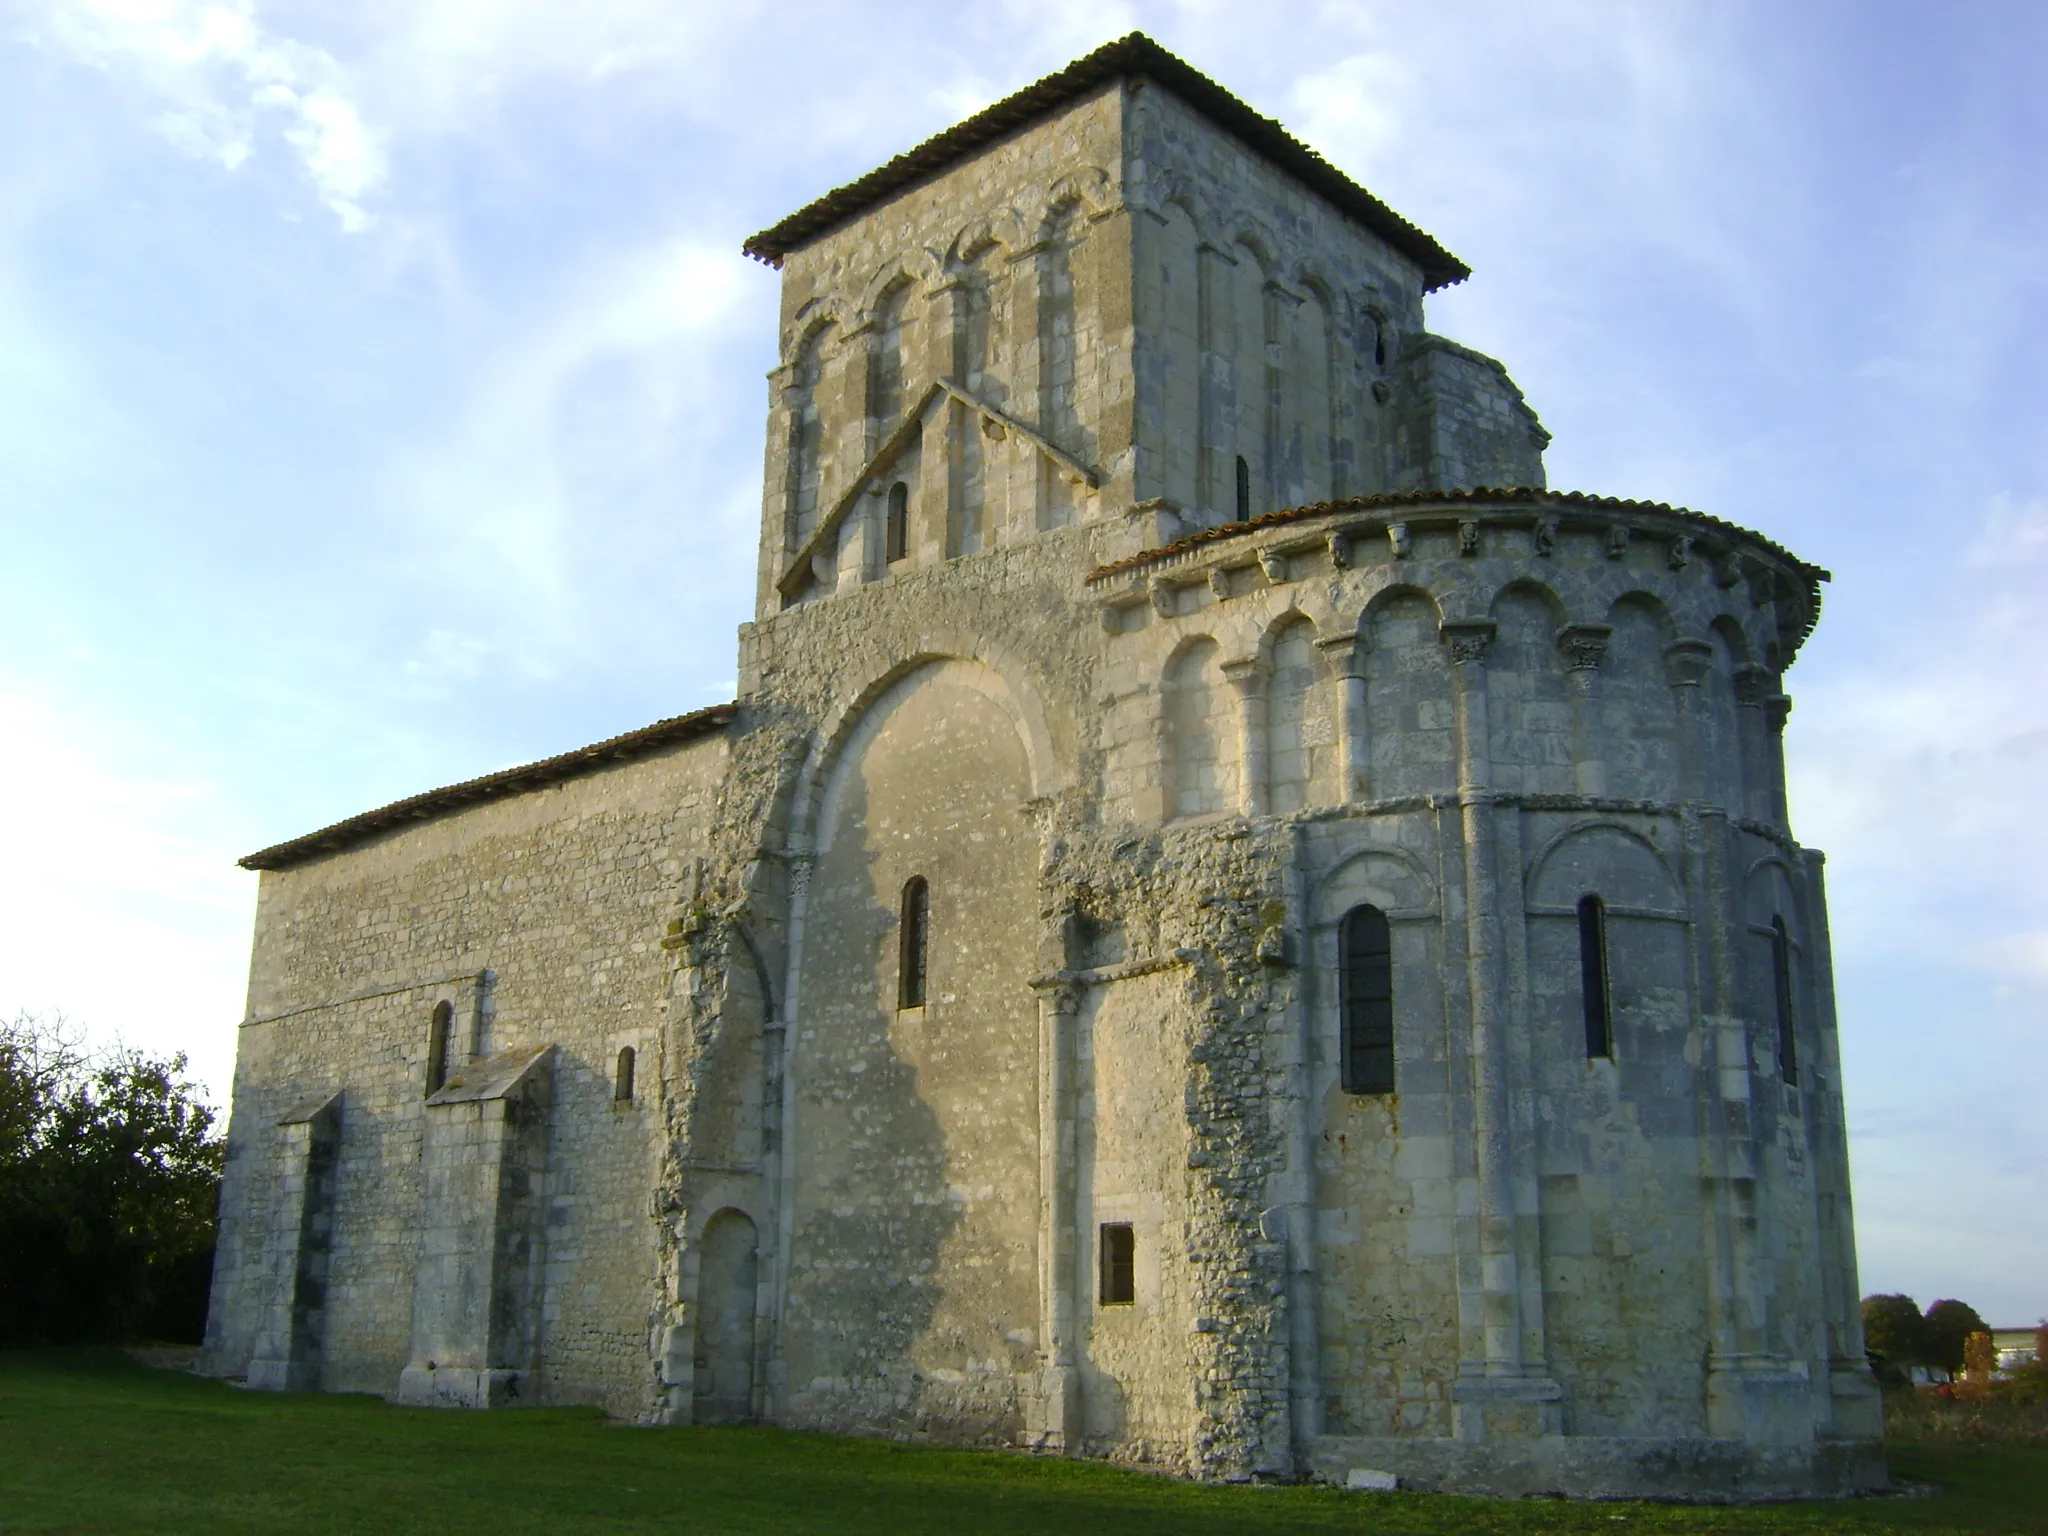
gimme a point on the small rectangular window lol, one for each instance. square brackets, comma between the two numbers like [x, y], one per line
[1119, 1264]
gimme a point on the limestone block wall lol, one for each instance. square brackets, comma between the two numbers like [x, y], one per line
[539, 919]
[1006, 278]
[1269, 325]
[1462, 422]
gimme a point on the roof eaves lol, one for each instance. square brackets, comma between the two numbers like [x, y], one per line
[509, 781]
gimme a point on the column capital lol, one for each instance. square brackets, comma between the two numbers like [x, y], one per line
[1345, 653]
[1777, 708]
[1584, 645]
[1753, 684]
[1686, 662]
[1467, 640]
[1245, 673]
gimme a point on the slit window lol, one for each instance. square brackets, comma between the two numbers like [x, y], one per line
[1244, 489]
[1365, 996]
[440, 1044]
[1781, 988]
[1119, 1287]
[914, 940]
[1593, 977]
[622, 1077]
[896, 532]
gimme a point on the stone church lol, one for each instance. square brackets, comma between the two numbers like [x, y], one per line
[1228, 926]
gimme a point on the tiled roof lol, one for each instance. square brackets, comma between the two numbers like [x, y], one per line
[492, 786]
[1485, 496]
[1133, 56]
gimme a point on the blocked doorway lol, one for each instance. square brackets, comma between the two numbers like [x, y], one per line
[727, 1271]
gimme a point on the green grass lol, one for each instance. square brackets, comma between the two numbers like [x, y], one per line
[91, 1442]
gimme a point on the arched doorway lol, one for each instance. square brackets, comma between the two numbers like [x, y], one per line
[726, 1275]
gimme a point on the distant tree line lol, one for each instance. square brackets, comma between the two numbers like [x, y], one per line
[1952, 1338]
[109, 1184]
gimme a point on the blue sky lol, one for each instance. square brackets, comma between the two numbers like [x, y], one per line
[381, 404]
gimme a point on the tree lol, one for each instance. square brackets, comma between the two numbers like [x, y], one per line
[109, 1180]
[1947, 1325]
[1893, 1328]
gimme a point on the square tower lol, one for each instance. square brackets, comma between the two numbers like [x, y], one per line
[1120, 296]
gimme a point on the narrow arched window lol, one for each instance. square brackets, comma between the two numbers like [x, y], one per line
[1244, 489]
[440, 1043]
[1365, 991]
[914, 941]
[1593, 977]
[896, 534]
[1781, 988]
[622, 1077]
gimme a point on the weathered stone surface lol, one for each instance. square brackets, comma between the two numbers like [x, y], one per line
[1146, 755]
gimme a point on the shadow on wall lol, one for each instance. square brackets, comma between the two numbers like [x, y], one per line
[873, 1210]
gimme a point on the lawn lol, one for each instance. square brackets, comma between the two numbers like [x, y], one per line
[91, 1442]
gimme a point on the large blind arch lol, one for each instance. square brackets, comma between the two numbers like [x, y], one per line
[1365, 1000]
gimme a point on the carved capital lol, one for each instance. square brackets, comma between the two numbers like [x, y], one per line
[1467, 641]
[1397, 536]
[1584, 645]
[1247, 674]
[1617, 541]
[1777, 709]
[1686, 662]
[1345, 653]
[1468, 538]
[1753, 684]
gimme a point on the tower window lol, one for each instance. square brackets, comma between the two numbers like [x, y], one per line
[896, 535]
[1593, 976]
[1366, 997]
[1781, 987]
[1119, 1265]
[622, 1077]
[1244, 489]
[440, 1043]
[914, 941]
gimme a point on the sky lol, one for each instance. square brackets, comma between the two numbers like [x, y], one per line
[381, 404]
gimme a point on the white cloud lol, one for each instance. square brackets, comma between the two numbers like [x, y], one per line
[135, 922]
[224, 82]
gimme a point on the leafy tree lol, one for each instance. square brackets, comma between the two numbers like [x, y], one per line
[109, 1179]
[1893, 1328]
[1947, 1326]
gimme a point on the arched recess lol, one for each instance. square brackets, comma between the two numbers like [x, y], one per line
[888, 374]
[1183, 440]
[1314, 453]
[728, 1262]
[1408, 694]
[910, 1152]
[1639, 716]
[1777, 968]
[805, 430]
[1529, 710]
[1200, 742]
[1300, 722]
[988, 668]
[1645, 924]
[1385, 1264]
